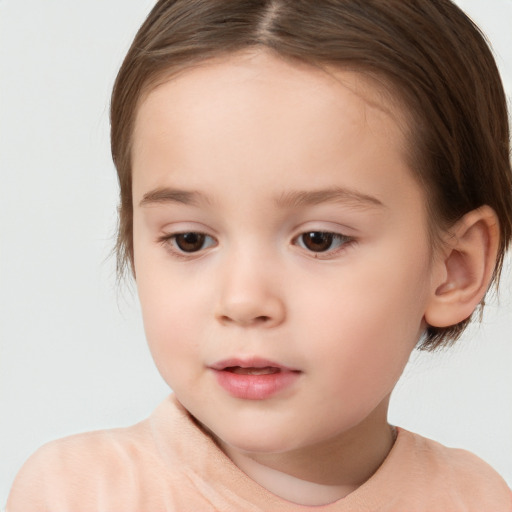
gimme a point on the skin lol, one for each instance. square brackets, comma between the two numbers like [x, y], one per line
[245, 133]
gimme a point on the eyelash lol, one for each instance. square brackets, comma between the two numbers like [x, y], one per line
[171, 244]
[342, 241]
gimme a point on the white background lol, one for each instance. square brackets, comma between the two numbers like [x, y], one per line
[72, 350]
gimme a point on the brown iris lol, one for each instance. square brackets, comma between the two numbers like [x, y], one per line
[318, 241]
[190, 242]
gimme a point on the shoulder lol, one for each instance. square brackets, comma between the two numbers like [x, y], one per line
[72, 473]
[456, 476]
[162, 463]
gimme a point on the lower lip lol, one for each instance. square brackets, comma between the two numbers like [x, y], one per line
[255, 387]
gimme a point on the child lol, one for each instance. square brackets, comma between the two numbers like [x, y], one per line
[308, 190]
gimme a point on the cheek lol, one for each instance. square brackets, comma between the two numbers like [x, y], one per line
[169, 296]
[171, 319]
[367, 297]
[364, 324]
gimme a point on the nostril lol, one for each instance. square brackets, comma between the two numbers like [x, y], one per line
[262, 319]
[250, 311]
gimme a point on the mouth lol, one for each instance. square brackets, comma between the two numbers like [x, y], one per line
[251, 366]
[254, 379]
[239, 370]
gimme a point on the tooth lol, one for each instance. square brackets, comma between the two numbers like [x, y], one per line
[254, 371]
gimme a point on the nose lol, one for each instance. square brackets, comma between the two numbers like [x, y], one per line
[250, 294]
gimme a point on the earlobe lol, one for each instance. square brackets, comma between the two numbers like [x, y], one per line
[466, 268]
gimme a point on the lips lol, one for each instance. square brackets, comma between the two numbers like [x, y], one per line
[255, 378]
[267, 370]
[253, 363]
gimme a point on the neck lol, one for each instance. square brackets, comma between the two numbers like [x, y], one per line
[327, 471]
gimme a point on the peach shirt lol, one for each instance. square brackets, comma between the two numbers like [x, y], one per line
[167, 463]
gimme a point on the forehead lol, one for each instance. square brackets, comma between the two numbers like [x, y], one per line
[245, 77]
[254, 110]
[261, 65]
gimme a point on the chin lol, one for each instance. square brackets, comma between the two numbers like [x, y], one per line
[259, 442]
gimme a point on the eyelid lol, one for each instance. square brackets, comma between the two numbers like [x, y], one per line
[169, 233]
[346, 241]
[166, 240]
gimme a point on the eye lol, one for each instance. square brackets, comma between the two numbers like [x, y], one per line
[189, 242]
[321, 241]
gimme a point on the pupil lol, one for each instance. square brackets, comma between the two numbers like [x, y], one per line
[190, 242]
[318, 241]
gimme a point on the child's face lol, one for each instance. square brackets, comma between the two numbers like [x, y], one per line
[261, 162]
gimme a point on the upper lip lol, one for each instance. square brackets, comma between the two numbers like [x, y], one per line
[252, 362]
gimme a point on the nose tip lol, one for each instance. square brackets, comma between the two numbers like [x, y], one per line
[251, 311]
[250, 289]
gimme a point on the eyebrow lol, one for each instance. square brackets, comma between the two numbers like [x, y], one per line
[294, 199]
[171, 195]
[290, 199]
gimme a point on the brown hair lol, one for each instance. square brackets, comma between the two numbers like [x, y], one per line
[435, 59]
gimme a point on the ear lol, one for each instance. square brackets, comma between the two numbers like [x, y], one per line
[464, 270]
